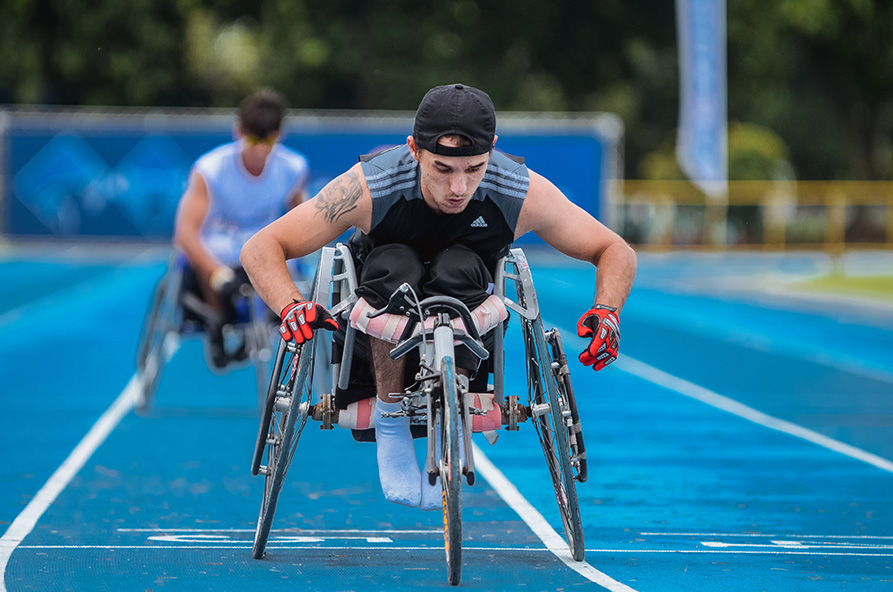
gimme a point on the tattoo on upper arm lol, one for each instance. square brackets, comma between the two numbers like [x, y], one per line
[339, 197]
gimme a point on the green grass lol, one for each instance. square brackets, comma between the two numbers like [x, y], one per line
[869, 286]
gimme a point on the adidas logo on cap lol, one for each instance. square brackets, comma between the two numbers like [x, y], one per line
[479, 222]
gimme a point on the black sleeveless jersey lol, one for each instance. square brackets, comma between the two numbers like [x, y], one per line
[400, 214]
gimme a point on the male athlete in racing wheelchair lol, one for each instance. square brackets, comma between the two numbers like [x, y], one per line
[438, 213]
[234, 190]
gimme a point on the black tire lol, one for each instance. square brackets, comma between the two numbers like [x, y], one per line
[285, 415]
[562, 376]
[160, 322]
[260, 336]
[451, 472]
[552, 429]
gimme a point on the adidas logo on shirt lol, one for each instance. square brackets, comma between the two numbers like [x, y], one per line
[479, 222]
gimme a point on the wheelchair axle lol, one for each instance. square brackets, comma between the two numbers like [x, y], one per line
[512, 412]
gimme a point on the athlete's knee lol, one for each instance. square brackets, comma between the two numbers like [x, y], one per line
[459, 272]
[385, 269]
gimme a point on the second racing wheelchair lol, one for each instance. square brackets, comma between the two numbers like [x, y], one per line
[177, 311]
[307, 380]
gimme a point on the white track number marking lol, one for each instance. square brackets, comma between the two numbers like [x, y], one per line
[196, 538]
[787, 545]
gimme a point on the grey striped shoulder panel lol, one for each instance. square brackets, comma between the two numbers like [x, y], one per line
[393, 174]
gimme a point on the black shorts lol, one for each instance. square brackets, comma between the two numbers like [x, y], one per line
[456, 271]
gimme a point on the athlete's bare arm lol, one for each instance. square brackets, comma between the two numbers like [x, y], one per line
[574, 232]
[342, 204]
[297, 198]
[191, 213]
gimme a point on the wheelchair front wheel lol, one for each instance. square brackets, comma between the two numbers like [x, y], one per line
[451, 472]
[551, 402]
[285, 414]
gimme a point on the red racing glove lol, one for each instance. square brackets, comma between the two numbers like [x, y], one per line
[602, 324]
[299, 319]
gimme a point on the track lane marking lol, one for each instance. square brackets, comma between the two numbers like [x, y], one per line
[59, 480]
[774, 536]
[439, 548]
[538, 524]
[714, 399]
[247, 545]
[431, 531]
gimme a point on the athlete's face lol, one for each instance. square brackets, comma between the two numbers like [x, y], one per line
[448, 182]
[256, 150]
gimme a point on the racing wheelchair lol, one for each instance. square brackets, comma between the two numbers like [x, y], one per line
[176, 311]
[308, 379]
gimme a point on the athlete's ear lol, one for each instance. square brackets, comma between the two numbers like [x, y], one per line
[413, 147]
[238, 134]
[495, 137]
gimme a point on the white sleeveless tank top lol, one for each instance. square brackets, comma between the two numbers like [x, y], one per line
[240, 203]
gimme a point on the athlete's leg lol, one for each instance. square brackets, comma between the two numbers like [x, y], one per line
[398, 468]
[383, 271]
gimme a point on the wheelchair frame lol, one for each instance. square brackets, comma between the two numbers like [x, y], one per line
[165, 326]
[301, 389]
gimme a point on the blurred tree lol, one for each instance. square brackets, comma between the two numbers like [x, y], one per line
[755, 153]
[818, 73]
[96, 52]
[815, 72]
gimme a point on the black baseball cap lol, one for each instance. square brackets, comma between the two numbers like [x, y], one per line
[455, 109]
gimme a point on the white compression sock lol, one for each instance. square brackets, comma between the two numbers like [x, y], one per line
[398, 468]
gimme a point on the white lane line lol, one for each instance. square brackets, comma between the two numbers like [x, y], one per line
[780, 551]
[247, 545]
[796, 545]
[714, 399]
[275, 531]
[225, 539]
[774, 536]
[537, 523]
[689, 389]
[27, 519]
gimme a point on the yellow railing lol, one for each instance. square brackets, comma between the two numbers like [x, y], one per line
[773, 215]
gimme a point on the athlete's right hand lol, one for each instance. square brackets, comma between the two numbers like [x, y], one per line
[300, 319]
[223, 280]
[602, 325]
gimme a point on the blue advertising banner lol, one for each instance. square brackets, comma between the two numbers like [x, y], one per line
[94, 175]
[701, 146]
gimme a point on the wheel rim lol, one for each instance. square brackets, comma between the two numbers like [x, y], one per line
[285, 427]
[553, 437]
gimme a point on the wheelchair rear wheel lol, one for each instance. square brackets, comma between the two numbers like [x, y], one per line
[551, 405]
[451, 472]
[287, 407]
[260, 335]
[159, 326]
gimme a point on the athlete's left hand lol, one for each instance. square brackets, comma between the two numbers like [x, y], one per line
[602, 324]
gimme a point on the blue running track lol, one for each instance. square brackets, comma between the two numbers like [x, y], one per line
[743, 442]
